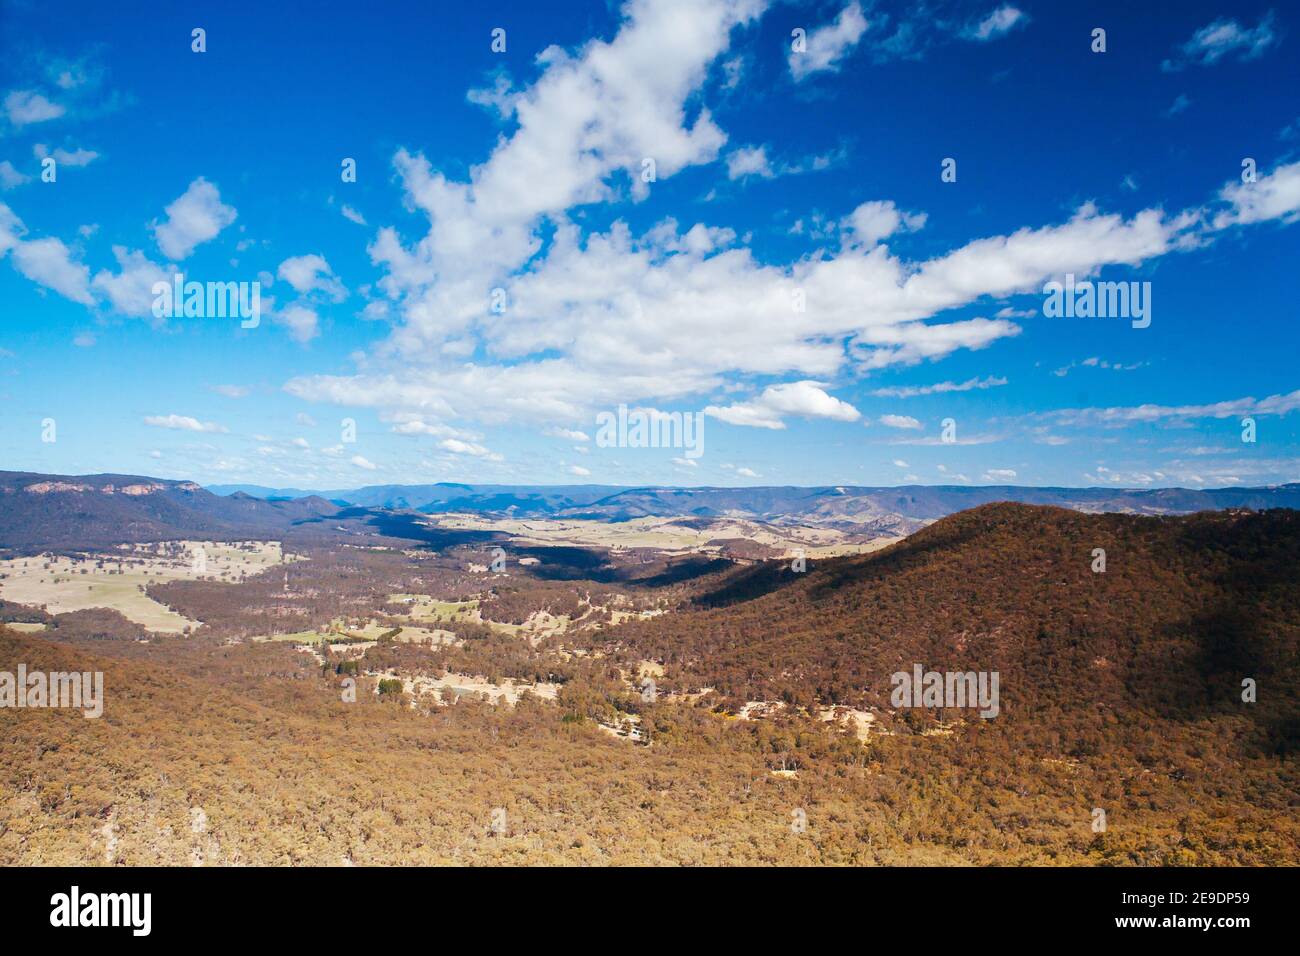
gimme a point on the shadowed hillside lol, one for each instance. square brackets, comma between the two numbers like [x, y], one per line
[1186, 609]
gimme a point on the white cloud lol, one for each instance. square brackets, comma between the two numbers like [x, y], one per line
[130, 291]
[310, 273]
[415, 426]
[899, 421]
[568, 434]
[876, 220]
[996, 24]
[936, 440]
[579, 471]
[999, 474]
[749, 161]
[84, 340]
[1275, 195]
[1095, 362]
[361, 462]
[231, 391]
[63, 157]
[302, 322]
[746, 473]
[939, 388]
[197, 216]
[1212, 43]
[1280, 404]
[909, 344]
[805, 399]
[458, 447]
[351, 214]
[10, 177]
[827, 45]
[899, 463]
[596, 319]
[24, 107]
[183, 423]
[49, 262]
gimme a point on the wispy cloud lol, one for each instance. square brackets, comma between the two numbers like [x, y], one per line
[939, 388]
[1222, 38]
[1280, 404]
[998, 23]
[826, 46]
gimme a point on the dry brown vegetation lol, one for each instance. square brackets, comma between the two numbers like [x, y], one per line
[1120, 691]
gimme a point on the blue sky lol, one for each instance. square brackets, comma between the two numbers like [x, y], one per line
[780, 177]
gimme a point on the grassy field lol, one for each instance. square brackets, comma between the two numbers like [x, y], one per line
[371, 631]
[118, 579]
[670, 535]
[423, 607]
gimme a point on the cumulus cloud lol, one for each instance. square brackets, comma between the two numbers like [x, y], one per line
[195, 217]
[64, 157]
[826, 46]
[417, 426]
[876, 220]
[130, 291]
[599, 317]
[899, 421]
[301, 321]
[24, 107]
[805, 399]
[458, 447]
[749, 161]
[311, 273]
[50, 263]
[361, 462]
[182, 423]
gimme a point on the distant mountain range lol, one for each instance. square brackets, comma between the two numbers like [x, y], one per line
[58, 511]
[884, 509]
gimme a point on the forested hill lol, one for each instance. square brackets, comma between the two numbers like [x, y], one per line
[1185, 610]
[84, 511]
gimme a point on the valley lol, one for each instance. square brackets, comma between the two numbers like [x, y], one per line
[377, 690]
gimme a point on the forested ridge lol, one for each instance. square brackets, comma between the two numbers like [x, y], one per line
[1121, 691]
